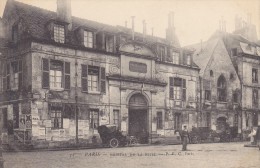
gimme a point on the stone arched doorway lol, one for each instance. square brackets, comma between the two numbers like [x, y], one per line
[138, 117]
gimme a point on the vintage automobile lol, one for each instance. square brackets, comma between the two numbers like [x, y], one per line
[113, 138]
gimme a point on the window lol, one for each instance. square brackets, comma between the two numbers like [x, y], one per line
[94, 119]
[59, 35]
[235, 97]
[15, 33]
[159, 120]
[14, 75]
[231, 76]
[162, 53]
[255, 98]
[176, 57]
[236, 120]
[211, 73]
[221, 87]
[56, 115]
[254, 75]
[109, 43]
[207, 95]
[208, 120]
[88, 39]
[16, 115]
[188, 60]
[234, 52]
[116, 117]
[93, 79]
[55, 74]
[177, 88]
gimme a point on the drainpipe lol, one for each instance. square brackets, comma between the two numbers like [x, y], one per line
[200, 107]
[76, 99]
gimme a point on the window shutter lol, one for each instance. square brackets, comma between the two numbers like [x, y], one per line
[171, 87]
[20, 74]
[183, 89]
[45, 73]
[84, 78]
[8, 79]
[102, 80]
[169, 55]
[4, 77]
[66, 75]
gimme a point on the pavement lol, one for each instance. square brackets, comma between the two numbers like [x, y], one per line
[212, 155]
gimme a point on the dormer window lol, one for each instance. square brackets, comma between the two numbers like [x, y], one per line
[109, 43]
[59, 34]
[88, 39]
[188, 60]
[176, 57]
[234, 51]
[162, 53]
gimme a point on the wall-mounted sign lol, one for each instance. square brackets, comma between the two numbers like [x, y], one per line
[137, 67]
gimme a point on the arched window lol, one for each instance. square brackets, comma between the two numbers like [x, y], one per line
[222, 88]
[211, 73]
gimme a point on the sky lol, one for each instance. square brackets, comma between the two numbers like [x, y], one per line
[194, 20]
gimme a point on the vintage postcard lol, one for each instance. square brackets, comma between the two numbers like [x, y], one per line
[138, 84]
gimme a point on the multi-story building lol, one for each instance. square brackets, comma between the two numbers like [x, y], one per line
[64, 76]
[229, 78]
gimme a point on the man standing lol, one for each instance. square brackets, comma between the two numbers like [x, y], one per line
[184, 138]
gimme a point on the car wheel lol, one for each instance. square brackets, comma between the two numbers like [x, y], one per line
[113, 143]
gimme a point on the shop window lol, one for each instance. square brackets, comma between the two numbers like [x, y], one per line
[221, 88]
[93, 79]
[55, 110]
[159, 120]
[236, 120]
[88, 39]
[15, 115]
[116, 118]
[254, 75]
[59, 33]
[94, 118]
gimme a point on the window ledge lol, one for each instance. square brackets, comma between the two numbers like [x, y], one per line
[94, 92]
[56, 89]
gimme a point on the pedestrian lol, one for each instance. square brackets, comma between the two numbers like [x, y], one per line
[184, 138]
[252, 136]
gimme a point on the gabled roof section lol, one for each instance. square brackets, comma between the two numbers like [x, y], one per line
[203, 52]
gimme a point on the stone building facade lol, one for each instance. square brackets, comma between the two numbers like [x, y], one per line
[62, 72]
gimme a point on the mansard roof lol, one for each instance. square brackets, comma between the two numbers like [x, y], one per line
[36, 19]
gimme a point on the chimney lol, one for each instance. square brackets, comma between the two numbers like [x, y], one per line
[125, 24]
[144, 30]
[170, 31]
[152, 31]
[171, 19]
[64, 11]
[133, 27]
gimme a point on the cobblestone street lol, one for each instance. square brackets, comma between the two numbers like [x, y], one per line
[228, 155]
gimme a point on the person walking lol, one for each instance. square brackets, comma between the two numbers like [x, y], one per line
[184, 138]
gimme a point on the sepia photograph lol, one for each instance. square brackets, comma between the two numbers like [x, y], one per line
[129, 83]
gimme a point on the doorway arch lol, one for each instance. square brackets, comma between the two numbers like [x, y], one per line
[138, 117]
